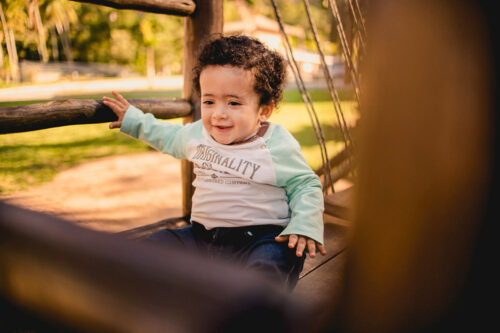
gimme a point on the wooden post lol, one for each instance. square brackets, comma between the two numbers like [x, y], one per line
[207, 20]
[424, 173]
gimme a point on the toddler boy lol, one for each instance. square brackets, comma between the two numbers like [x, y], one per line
[256, 200]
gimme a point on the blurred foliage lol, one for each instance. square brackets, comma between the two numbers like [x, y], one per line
[95, 34]
[82, 32]
[293, 12]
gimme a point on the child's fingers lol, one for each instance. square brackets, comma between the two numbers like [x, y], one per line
[301, 244]
[119, 97]
[280, 239]
[115, 124]
[311, 247]
[321, 249]
[292, 241]
[110, 101]
[117, 108]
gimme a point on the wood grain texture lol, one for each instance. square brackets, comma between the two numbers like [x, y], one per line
[75, 111]
[205, 23]
[170, 7]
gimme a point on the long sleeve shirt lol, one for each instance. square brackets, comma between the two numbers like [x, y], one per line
[264, 181]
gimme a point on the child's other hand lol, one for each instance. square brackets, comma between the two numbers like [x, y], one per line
[118, 106]
[301, 242]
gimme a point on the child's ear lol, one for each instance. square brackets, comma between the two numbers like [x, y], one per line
[266, 111]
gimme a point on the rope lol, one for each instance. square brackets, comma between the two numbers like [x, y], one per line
[345, 47]
[358, 21]
[361, 19]
[306, 98]
[333, 92]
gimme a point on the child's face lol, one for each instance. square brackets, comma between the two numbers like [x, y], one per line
[230, 108]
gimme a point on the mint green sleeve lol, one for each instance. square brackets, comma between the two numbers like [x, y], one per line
[302, 186]
[163, 136]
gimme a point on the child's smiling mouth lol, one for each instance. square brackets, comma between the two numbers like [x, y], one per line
[222, 128]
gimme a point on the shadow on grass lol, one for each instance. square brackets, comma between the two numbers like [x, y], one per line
[108, 140]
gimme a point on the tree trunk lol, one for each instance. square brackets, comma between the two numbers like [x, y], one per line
[42, 47]
[3, 73]
[1, 56]
[15, 60]
[54, 45]
[35, 23]
[8, 44]
[150, 62]
[65, 42]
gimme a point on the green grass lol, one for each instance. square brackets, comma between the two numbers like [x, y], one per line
[31, 158]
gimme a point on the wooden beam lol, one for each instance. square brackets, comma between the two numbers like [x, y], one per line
[89, 281]
[335, 161]
[418, 258]
[171, 7]
[339, 204]
[74, 111]
[205, 23]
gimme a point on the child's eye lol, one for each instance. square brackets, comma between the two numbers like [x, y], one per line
[208, 102]
[234, 103]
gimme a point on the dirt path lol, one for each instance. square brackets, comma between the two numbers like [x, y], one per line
[115, 193]
[111, 194]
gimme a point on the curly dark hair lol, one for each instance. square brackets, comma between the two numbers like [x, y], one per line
[268, 66]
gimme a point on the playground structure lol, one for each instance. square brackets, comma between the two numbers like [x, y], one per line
[420, 208]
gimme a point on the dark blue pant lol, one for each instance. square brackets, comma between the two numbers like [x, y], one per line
[252, 246]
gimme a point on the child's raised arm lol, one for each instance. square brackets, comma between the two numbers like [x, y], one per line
[118, 106]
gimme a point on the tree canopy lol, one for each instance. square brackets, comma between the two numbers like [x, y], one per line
[63, 30]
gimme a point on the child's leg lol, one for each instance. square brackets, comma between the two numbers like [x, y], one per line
[275, 260]
[185, 238]
[256, 248]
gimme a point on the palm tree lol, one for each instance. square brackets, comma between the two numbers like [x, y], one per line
[149, 39]
[59, 15]
[35, 21]
[1, 57]
[10, 44]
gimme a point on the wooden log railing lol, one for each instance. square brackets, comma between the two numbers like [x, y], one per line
[71, 112]
[171, 7]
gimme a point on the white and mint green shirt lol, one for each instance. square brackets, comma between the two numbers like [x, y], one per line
[264, 181]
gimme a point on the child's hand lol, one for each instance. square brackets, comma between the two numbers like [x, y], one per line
[118, 106]
[301, 242]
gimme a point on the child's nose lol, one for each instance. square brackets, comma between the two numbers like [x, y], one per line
[220, 112]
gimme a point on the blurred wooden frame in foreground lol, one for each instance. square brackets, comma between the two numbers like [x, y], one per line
[424, 165]
[80, 280]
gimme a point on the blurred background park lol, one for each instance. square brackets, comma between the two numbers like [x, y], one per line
[60, 49]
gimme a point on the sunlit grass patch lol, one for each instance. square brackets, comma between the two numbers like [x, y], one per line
[295, 118]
